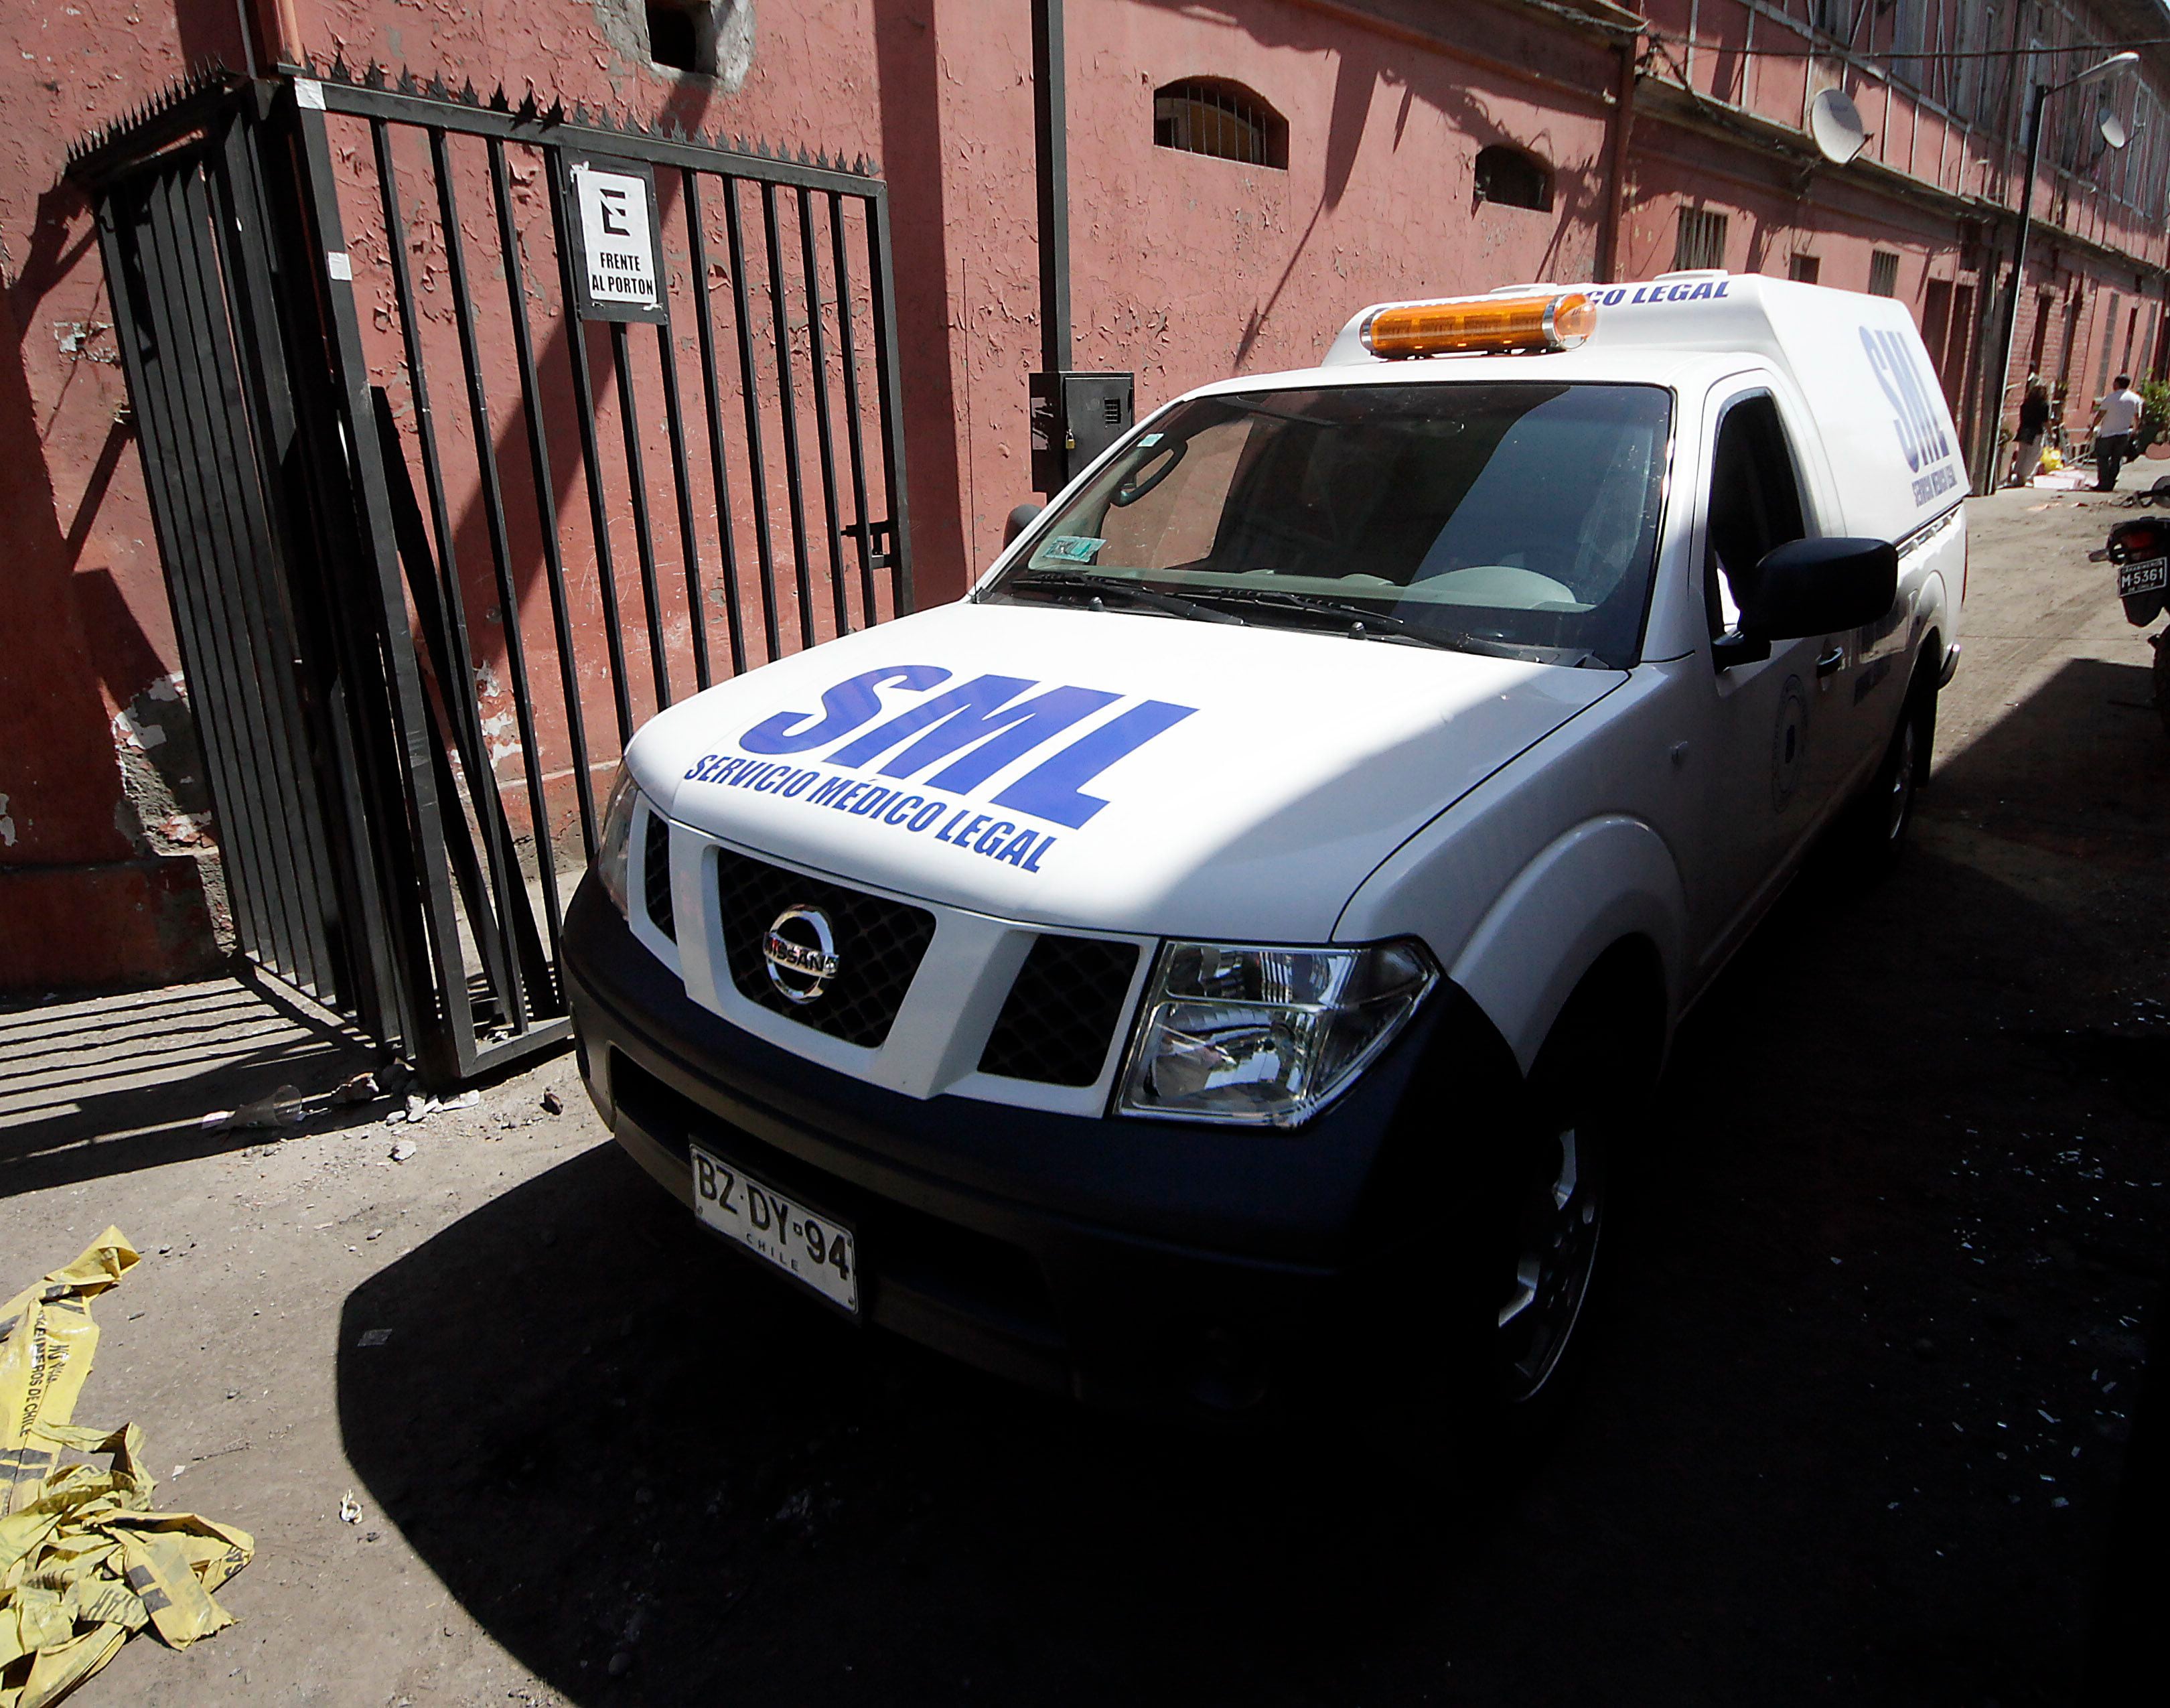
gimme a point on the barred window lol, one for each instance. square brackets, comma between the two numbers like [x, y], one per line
[1882, 273]
[1509, 176]
[1213, 116]
[1804, 269]
[1699, 242]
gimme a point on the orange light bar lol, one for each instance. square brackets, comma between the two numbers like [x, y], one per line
[1555, 321]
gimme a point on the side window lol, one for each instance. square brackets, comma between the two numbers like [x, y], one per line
[1755, 504]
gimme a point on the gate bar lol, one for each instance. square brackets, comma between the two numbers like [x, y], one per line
[892, 405]
[501, 544]
[863, 533]
[177, 499]
[210, 504]
[705, 323]
[499, 948]
[643, 536]
[538, 126]
[757, 464]
[584, 416]
[787, 411]
[546, 505]
[824, 439]
[253, 304]
[228, 440]
[425, 934]
[674, 422]
[317, 483]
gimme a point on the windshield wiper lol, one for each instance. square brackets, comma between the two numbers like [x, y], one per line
[1062, 582]
[1399, 628]
[1319, 604]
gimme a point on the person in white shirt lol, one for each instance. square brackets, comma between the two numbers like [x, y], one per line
[2115, 417]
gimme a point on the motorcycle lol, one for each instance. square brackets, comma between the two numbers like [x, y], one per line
[2139, 550]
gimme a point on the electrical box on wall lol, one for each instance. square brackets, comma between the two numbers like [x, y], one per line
[1075, 417]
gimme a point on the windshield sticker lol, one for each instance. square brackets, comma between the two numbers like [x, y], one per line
[1071, 548]
[971, 731]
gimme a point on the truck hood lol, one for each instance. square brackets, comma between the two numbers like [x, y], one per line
[1101, 769]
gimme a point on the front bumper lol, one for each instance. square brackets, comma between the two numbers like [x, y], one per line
[1136, 1264]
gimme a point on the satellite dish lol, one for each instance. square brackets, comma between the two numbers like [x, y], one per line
[2114, 132]
[1834, 123]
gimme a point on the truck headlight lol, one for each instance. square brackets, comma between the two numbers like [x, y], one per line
[617, 837]
[1266, 1036]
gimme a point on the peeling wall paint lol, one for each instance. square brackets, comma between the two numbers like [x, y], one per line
[166, 806]
[1183, 270]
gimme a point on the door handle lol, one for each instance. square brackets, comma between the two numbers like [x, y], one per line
[1829, 662]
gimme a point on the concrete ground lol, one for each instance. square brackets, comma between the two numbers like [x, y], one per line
[1854, 1434]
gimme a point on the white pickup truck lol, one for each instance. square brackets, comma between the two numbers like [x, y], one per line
[1206, 965]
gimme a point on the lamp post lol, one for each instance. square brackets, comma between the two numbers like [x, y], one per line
[2019, 246]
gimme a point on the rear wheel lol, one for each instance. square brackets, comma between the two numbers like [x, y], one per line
[2163, 676]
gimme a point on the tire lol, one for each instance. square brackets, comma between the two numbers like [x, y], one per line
[1516, 1277]
[1878, 821]
[1560, 1184]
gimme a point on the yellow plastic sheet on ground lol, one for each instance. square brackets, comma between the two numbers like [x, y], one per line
[85, 1562]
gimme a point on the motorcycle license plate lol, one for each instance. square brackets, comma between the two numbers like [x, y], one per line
[2146, 576]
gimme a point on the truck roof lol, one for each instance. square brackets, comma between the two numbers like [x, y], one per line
[1856, 361]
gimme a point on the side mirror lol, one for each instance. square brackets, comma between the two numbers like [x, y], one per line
[1021, 518]
[1817, 586]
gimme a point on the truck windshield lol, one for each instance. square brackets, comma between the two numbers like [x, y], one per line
[1519, 517]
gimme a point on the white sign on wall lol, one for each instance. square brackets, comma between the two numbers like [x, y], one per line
[613, 221]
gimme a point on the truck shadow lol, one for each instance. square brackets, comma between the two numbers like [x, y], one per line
[612, 1437]
[654, 1474]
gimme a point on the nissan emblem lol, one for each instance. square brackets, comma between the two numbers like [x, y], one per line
[800, 949]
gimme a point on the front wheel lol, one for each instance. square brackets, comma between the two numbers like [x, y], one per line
[1560, 1176]
[1512, 1279]
[1880, 820]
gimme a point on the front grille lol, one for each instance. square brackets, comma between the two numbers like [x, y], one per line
[1062, 1011]
[655, 875]
[879, 946]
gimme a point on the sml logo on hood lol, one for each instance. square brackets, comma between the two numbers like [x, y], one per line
[972, 731]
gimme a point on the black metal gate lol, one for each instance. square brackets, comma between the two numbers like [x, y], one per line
[406, 667]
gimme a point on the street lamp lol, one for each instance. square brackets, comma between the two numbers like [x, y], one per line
[2114, 62]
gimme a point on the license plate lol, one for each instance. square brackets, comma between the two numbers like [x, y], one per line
[2146, 576]
[817, 1250]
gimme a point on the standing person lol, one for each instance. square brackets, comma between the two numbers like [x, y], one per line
[2034, 425]
[2115, 417]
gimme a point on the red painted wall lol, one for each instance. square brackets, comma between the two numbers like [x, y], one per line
[1184, 269]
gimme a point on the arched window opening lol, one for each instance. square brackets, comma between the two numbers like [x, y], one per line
[1509, 176]
[1212, 115]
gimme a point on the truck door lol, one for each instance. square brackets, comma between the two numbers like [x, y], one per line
[1763, 723]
